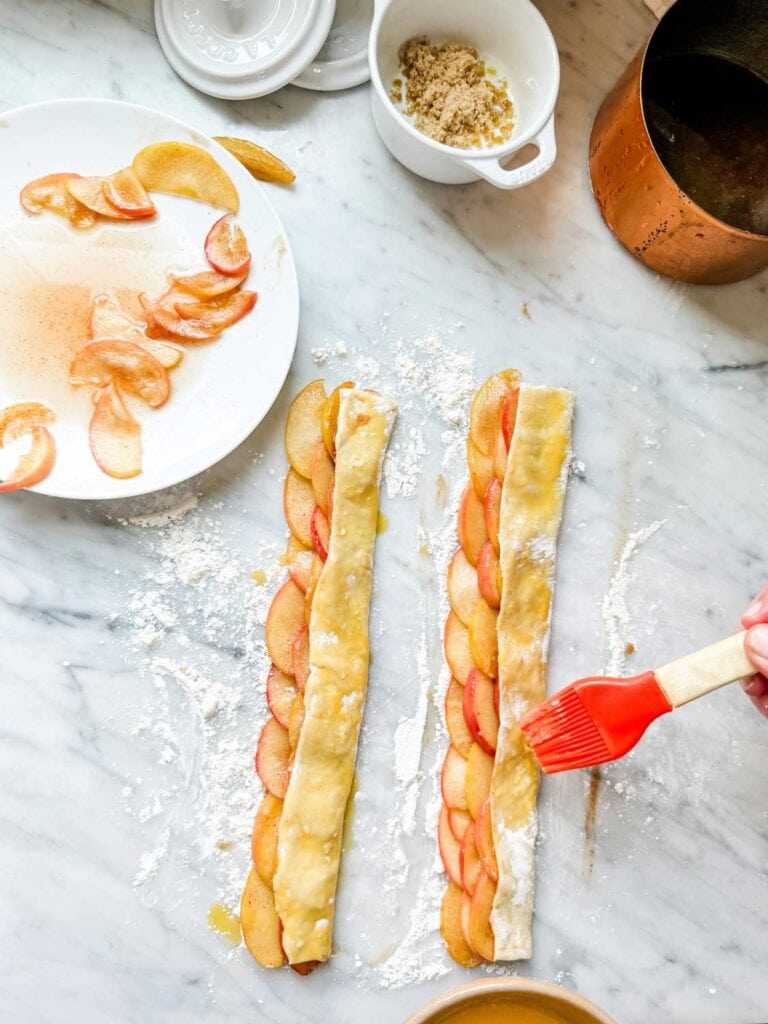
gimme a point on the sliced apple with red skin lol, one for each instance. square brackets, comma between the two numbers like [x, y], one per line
[129, 365]
[304, 427]
[322, 475]
[461, 737]
[210, 314]
[305, 968]
[471, 526]
[110, 322]
[164, 322]
[451, 929]
[124, 191]
[300, 657]
[28, 418]
[114, 436]
[481, 468]
[90, 192]
[330, 416]
[285, 617]
[489, 576]
[453, 780]
[272, 759]
[456, 647]
[296, 721]
[281, 689]
[509, 415]
[492, 512]
[260, 923]
[480, 931]
[209, 284]
[51, 193]
[484, 840]
[314, 576]
[19, 419]
[181, 169]
[298, 505]
[477, 780]
[486, 410]
[448, 846]
[299, 561]
[479, 713]
[463, 593]
[483, 639]
[459, 822]
[264, 837]
[226, 247]
[320, 529]
[469, 860]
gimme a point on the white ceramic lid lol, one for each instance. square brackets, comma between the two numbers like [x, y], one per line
[240, 49]
[343, 60]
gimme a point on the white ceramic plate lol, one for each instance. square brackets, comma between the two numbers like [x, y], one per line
[343, 60]
[222, 390]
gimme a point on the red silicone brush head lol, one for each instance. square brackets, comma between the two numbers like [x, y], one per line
[593, 720]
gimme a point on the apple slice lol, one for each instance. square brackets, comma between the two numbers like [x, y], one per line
[304, 427]
[298, 505]
[320, 529]
[480, 931]
[483, 639]
[226, 247]
[124, 191]
[451, 929]
[479, 713]
[259, 161]
[496, 698]
[210, 314]
[109, 322]
[485, 412]
[305, 968]
[17, 421]
[453, 780]
[264, 837]
[259, 922]
[130, 365]
[330, 416]
[51, 193]
[456, 647]
[314, 576]
[272, 758]
[484, 840]
[489, 576]
[500, 457]
[181, 169]
[208, 284]
[164, 322]
[299, 561]
[114, 436]
[285, 616]
[509, 415]
[322, 475]
[466, 909]
[478, 780]
[462, 586]
[492, 512]
[469, 860]
[461, 737]
[281, 689]
[459, 822]
[90, 192]
[481, 468]
[300, 656]
[296, 721]
[448, 846]
[472, 532]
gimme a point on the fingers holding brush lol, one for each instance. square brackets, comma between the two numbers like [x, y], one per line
[755, 620]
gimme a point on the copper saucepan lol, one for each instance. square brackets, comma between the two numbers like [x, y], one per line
[678, 156]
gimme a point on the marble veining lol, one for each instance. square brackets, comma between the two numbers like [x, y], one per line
[657, 910]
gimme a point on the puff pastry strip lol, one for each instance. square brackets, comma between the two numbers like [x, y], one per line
[311, 825]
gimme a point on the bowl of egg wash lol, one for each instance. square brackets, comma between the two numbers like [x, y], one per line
[510, 1001]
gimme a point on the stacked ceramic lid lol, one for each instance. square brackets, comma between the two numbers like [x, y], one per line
[239, 49]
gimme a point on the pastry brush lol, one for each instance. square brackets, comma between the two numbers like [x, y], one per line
[600, 718]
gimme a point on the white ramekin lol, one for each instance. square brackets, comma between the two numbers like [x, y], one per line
[518, 41]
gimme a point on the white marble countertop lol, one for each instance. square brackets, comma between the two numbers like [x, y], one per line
[112, 783]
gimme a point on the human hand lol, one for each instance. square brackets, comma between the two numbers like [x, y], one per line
[755, 620]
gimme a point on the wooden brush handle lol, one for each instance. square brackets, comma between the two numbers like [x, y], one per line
[705, 670]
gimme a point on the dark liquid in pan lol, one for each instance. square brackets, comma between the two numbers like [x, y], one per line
[708, 119]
